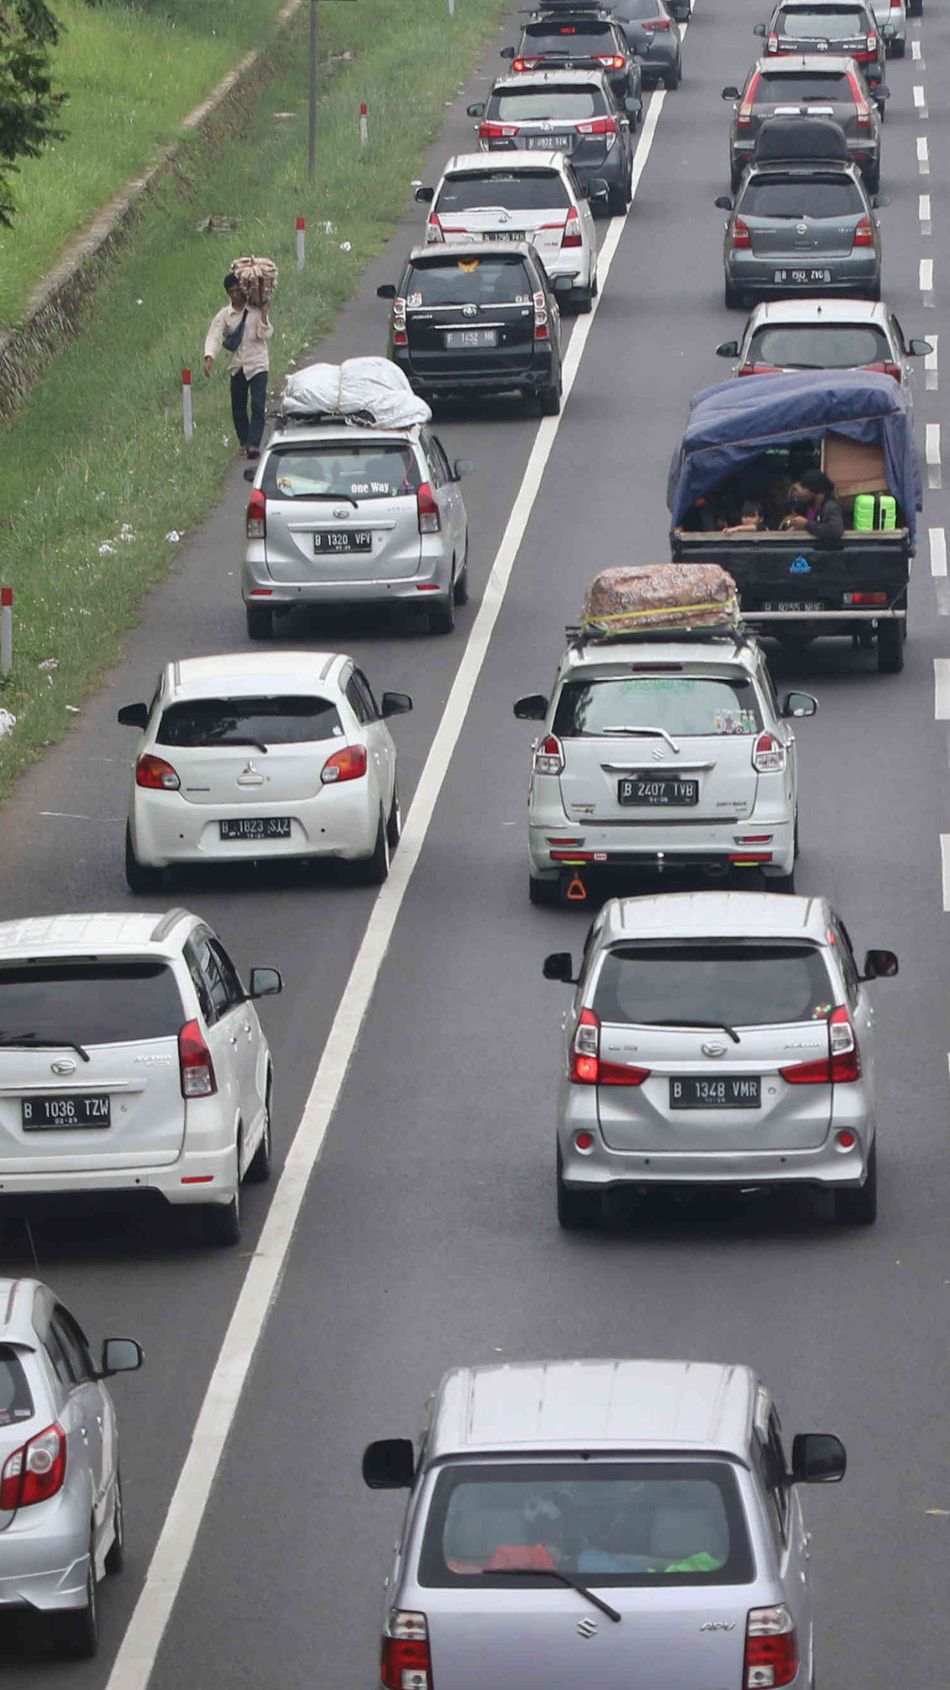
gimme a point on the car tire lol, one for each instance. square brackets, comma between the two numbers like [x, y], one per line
[259, 1167]
[872, 181]
[672, 79]
[797, 844]
[617, 201]
[460, 584]
[915, 8]
[442, 614]
[890, 648]
[782, 882]
[899, 49]
[374, 869]
[872, 293]
[115, 1558]
[576, 1210]
[583, 302]
[733, 298]
[139, 879]
[394, 821]
[858, 1207]
[260, 621]
[735, 177]
[221, 1222]
[543, 890]
[549, 400]
[78, 1628]
[881, 109]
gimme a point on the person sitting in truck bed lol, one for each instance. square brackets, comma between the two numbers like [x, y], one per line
[815, 508]
[751, 520]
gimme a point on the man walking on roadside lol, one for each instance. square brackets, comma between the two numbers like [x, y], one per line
[243, 330]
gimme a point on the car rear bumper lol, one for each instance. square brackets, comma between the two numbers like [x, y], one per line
[757, 275]
[521, 377]
[339, 821]
[432, 576]
[603, 1168]
[631, 846]
[42, 1572]
[199, 1176]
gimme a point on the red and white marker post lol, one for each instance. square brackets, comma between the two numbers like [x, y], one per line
[6, 630]
[364, 123]
[301, 237]
[187, 419]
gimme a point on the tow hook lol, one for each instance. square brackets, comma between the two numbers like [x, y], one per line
[576, 891]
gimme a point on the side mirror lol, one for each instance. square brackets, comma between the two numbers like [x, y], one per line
[727, 349]
[759, 29]
[799, 704]
[507, 53]
[559, 966]
[120, 1355]
[889, 32]
[250, 474]
[818, 1458]
[731, 93]
[395, 704]
[919, 348]
[882, 92]
[425, 196]
[389, 1464]
[598, 189]
[387, 291]
[879, 200]
[133, 716]
[462, 466]
[880, 965]
[265, 983]
[723, 202]
[532, 708]
[562, 284]
[478, 110]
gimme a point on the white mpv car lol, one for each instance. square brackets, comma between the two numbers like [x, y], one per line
[132, 1066]
[663, 755]
[258, 755]
[533, 196]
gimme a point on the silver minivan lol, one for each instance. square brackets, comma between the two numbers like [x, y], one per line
[607, 1524]
[346, 515]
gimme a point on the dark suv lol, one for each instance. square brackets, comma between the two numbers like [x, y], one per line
[568, 111]
[658, 19]
[837, 26]
[580, 38]
[806, 86]
[480, 318]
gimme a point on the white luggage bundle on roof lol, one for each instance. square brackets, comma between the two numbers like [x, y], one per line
[360, 390]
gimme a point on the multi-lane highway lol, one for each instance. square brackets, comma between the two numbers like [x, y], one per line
[427, 1236]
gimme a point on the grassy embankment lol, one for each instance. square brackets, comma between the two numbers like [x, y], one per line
[131, 77]
[98, 443]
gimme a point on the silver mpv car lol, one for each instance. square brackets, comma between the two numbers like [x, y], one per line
[717, 1039]
[598, 1525]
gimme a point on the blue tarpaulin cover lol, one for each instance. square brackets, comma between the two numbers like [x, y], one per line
[735, 421]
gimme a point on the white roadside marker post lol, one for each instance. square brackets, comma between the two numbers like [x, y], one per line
[364, 123]
[186, 415]
[301, 242]
[6, 630]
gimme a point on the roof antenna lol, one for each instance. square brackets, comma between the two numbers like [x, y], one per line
[29, 1234]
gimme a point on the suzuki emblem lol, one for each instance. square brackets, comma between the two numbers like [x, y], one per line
[658, 755]
[714, 1048]
[587, 1627]
[65, 1065]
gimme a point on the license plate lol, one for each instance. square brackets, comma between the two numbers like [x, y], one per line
[458, 340]
[644, 789]
[551, 143]
[801, 278]
[793, 604]
[58, 1114]
[256, 827]
[343, 540]
[726, 1091]
[506, 235]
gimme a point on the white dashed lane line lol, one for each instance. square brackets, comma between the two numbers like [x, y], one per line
[923, 156]
[938, 552]
[942, 689]
[932, 454]
[931, 373]
[920, 100]
[926, 277]
[945, 868]
[915, 52]
[923, 212]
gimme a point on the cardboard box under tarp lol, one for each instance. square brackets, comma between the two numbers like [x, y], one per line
[853, 467]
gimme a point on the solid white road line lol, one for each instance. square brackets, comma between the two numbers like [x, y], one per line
[170, 1557]
[938, 551]
[932, 454]
[942, 689]
[931, 373]
[923, 156]
[945, 868]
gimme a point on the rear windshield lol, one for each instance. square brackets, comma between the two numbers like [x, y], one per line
[795, 199]
[16, 1403]
[289, 720]
[744, 984]
[569, 39]
[798, 85]
[532, 105]
[88, 1003]
[373, 469]
[680, 704]
[498, 280]
[630, 10]
[487, 190]
[827, 24]
[819, 346]
[629, 1523]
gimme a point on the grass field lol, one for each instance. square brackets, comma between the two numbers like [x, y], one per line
[131, 76]
[98, 444]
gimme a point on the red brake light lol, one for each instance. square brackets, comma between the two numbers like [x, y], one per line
[35, 1471]
[771, 1649]
[892, 370]
[548, 756]
[194, 1062]
[864, 234]
[758, 370]
[434, 227]
[768, 755]
[541, 331]
[349, 763]
[872, 43]
[586, 1067]
[156, 774]
[598, 126]
[430, 521]
[772, 44]
[740, 233]
[841, 1067]
[657, 23]
[400, 336]
[572, 229]
[744, 114]
[494, 131]
[256, 519]
[611, 61]
[405, 1661]
[522, 64]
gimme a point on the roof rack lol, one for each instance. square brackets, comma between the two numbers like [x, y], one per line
[310, 419]
[578, 636]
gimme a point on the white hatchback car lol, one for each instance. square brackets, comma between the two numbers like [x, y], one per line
[824, 334]
[663, 754]
[132, 1066]
[262, 755]
[532, 196]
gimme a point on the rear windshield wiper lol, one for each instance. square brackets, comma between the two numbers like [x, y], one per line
[210, 744]
[11, 1039]
[346, 497]
[632, 728]
[712, 1026]
[562, 1578]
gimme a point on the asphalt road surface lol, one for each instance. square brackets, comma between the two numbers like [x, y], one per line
[428, 1234]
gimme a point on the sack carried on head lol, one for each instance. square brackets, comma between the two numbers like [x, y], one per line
[258, 278]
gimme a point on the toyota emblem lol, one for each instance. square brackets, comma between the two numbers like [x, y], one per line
[469, 310]
[65, 1065]
[714, 1048]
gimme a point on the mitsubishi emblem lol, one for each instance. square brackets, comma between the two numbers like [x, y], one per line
[65, 1065]
[587, 1627]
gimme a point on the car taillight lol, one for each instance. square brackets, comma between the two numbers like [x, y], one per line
[572, 229]
[771, 1649]
[872, 43]
[611, 61]
[541, 331]
[430, 521]
[587, 1069]
[842, 1066]
[524, 64]
[400, 336]
[349, 763]
[771, 45]
[495, 131]
[864, 234]
[886, 370]
[156, 774]
[194, 1063]
[655, 23]
[759, 370]
[255, 521]
[548, 756]
[35, 1471]
[744, 114]
[740, 233]
[405, 1661]
[768, 755]
[862, 108]
[598, 126]
[434, 228]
